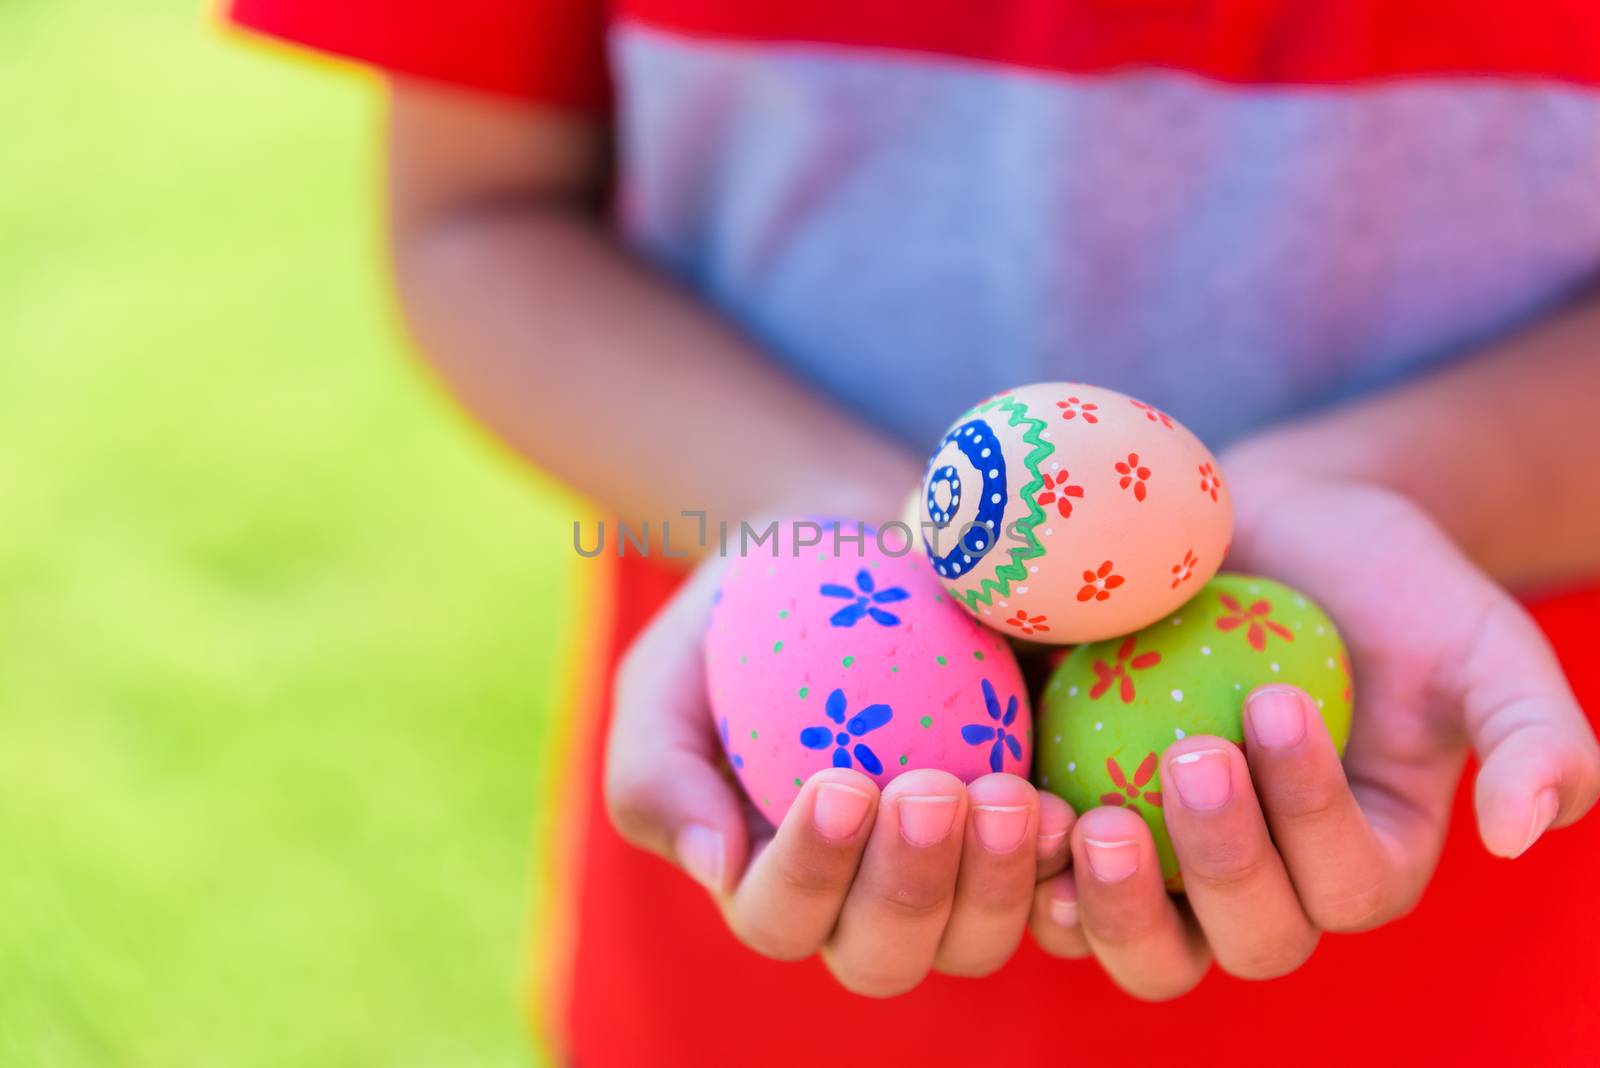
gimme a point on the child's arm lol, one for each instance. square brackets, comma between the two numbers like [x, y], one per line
[1503, 451]
[1378, 510]
[603, 373]
[576, 355]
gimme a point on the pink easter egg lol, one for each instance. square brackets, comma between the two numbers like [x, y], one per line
[856, 658]
[1065, 513]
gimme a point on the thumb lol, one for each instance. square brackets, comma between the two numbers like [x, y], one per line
[678, 806]
[1540, 763]
[664, 790]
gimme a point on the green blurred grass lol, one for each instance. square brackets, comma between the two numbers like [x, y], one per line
[277, 632]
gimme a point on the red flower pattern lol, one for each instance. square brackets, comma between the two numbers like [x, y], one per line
[1028, 624]
[1057, 492]
[1072, 407]
[1141, 776]
[1105, 674]
[1133, 474]
[1255, 619]
[1183, 572]
[1098, 584]
[1155, 415]
[1210, 481]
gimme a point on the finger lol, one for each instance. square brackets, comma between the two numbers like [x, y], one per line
[1234, 879]
[994, 886]
[894, 916]
[663, 789]
[1407, 613]
[1054, 920]
[1341, 871]
[1055, 824]
[1540, 767]
[788, 902]
[1131, 924]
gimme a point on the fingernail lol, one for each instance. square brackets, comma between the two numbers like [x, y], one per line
[1111, 862]
[1049, 843]
[1544, 814]
[700, 853]
[926, 820]
[1203, 778]
[838, 811]
[1001, 827]
[1064, 912]
[1277, 717]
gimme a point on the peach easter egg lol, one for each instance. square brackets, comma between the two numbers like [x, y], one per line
[1066, 513]
[856, 658]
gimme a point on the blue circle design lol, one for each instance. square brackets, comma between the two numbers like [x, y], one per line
[974, 439]
[941, 516]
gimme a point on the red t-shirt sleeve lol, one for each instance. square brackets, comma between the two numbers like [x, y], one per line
[547, 51]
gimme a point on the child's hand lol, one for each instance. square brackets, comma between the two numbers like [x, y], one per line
[927, 874]
[1443, 659]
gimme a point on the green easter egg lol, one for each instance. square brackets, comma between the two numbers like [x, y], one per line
[1111, 708]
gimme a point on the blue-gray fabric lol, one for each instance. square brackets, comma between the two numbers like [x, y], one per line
[910, 234]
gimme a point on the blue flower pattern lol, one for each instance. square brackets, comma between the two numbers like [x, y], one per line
[979, 733]
[868, 719]
[865, 599]
[733, 758]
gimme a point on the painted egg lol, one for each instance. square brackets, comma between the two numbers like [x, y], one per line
[1068, 513]
[856, 660]
[1112, 708]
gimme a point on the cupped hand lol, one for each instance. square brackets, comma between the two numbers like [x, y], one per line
[925, 874]
[1278, 841]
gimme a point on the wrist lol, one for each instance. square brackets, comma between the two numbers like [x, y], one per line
[1342, 471]
[1323, 450]
[874, 495]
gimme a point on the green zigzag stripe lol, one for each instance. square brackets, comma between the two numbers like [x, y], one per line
[1017, 569]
